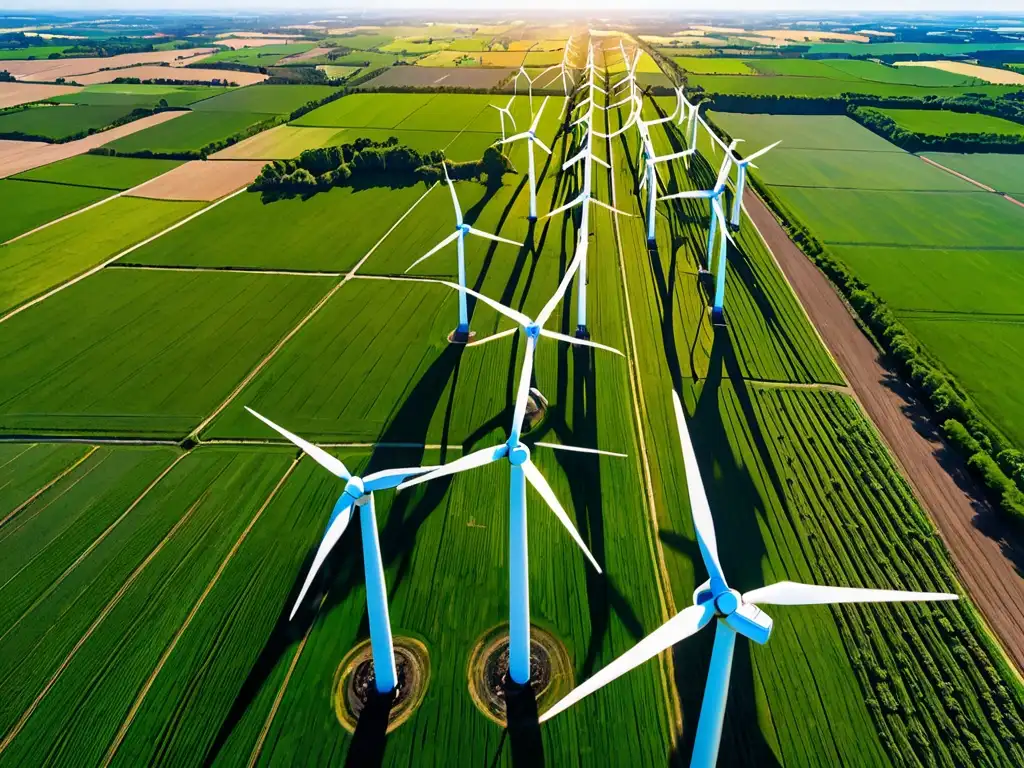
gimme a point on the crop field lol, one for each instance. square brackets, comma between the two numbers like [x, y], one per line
[1004, 173]
[701, 65]
[314, 234]
[46, 258]
[269, 99]
[338, 73]
[33, 52]
[190, 132]
[99, 171]
[945, 255]
[28, 205]
[363, 42]
[881, 73]
[828, 85]
[58, 123]
[145, 590]
[262, 56]
[933, 122]
[985, 74]
[134, 352]
[116, 94]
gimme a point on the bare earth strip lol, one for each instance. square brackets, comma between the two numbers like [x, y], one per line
[200, 180]
[51, 69]
[180, 74]
[981, 544]
[312, 53]
[13, 94]
[19, 156]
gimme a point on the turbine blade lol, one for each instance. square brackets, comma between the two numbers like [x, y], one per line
[516, 137]
[600, 161]
[675, 156]
[574, 159]
[391, 478]
[563, 286]
[495, 238]
[536, 479]
[793, 593]
[447, 241]
[609, 207]
[578, 342]
[723, 172]
[716, 693]
[679, 627]
[492, 337]
[522, 391]
[470, 461]
[335, 529]
[762, 151]
[536, 119]
[519, 317]
[578, 449]
[455, 198]
[575, 201]
[696, 193]
[541, 144]
[335, 466]
[703, 523]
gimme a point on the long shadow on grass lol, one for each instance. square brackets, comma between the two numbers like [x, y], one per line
[343, 569]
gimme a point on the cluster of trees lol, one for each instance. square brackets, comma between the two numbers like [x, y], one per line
[364, 159]
[885, 126]
[164, 81]
[6, 77]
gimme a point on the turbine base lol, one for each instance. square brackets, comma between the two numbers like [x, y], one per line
[718, 316]
[459, 336]
[582, 332]
[354, 690]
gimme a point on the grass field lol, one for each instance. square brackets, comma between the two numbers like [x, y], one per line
[314, 234]
[58, 123]
[800, 131]
[32, 52]
[364, 110]
[113, 95]
[189, 132]
[363, 42]
[116, 173]
[34, 264]
[880, 73]
[702, 65]
[261, 56]
[26, 468]
[933, 122]
[1004, 173]
[367, 59]
[265, 99]
[338, 73]
[27, 205]
[827, 86]
[132, 352]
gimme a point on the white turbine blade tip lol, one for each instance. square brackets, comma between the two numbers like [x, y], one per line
[794, 593]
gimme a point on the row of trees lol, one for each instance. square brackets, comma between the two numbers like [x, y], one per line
[885, 126]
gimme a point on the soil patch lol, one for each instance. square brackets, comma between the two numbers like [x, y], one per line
[203, 180]
[354, 682]
[177, 74]
[13, 94]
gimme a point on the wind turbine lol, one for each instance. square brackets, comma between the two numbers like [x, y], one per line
[358, 493]
[515, 88]
[531, 139]
[735, 613]
[631, 66]
[522, 470]
[716, 220]
[741, 181]
[650, 178]
[502, 112]
[461, 333]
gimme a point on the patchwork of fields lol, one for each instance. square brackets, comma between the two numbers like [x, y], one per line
[944, 254]
[143, 588]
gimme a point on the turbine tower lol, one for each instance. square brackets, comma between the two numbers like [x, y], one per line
[358, 493]
[461, 333]
[522, 470]
[529, 83]
[531, 139]
[735, 614]
[741, 181]
[503, 112]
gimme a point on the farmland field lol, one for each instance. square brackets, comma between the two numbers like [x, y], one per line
[99, 171]
[38, 262]
[802, 131]
[58, 123]
[189, 132]
[136, 352]
[117, 94]
[366, 111]
[700, 65]
[25, 469]
[262, 56]
[1004, 173]
[27, 205]
[269, 99]
[933, 122]
[282, 142]
[828, 86]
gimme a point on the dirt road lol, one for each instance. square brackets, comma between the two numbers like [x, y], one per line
[984, 549]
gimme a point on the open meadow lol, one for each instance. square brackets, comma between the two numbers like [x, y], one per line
[154, 535]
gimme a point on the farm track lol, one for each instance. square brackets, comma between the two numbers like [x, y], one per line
[47, 487]
[65, 217]
[983, 547]
[975, 182]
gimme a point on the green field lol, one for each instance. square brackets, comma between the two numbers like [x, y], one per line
[36, 263]
[117, 173]
[131, 352]
[880, 73]
[26, 469]
[909, 49]
[1004, 173]
[368, 59]
[704, 65]
[314, 234]
[800, 131]
[338, 73]
[113, 94]
[827, 85]
[187, 133]
[260, 56]
[268, 99]
[364, 110]
[32, 52]
[59, 123]
[362, 42]
[27, 206]
[934, 122]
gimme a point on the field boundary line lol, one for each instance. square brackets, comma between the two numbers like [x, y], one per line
[129, 719]
[48, 486]
[65, 217]
[668, 609]
[842, 389]
[963, 176]
[88, 273]
[239, 270]
[99, 539]
[16, 729]
[87, 439]
[194, 434]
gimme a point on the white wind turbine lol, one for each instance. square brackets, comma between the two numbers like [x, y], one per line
[650, 177]
[531, 139]
[461, 333]
[503, 112]
[735, 613]
[630, 76]
[522, 470]
[529, 83]
[741, 180]
[358, 493]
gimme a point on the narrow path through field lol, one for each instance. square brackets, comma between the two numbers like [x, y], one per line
[988, 554]
[767, 384]
[975, 182]
[65, 217]
[47, 486]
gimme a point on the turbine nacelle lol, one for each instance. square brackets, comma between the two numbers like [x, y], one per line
[745, 618]
[354, 488]
[518, 455]
[463, 228]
